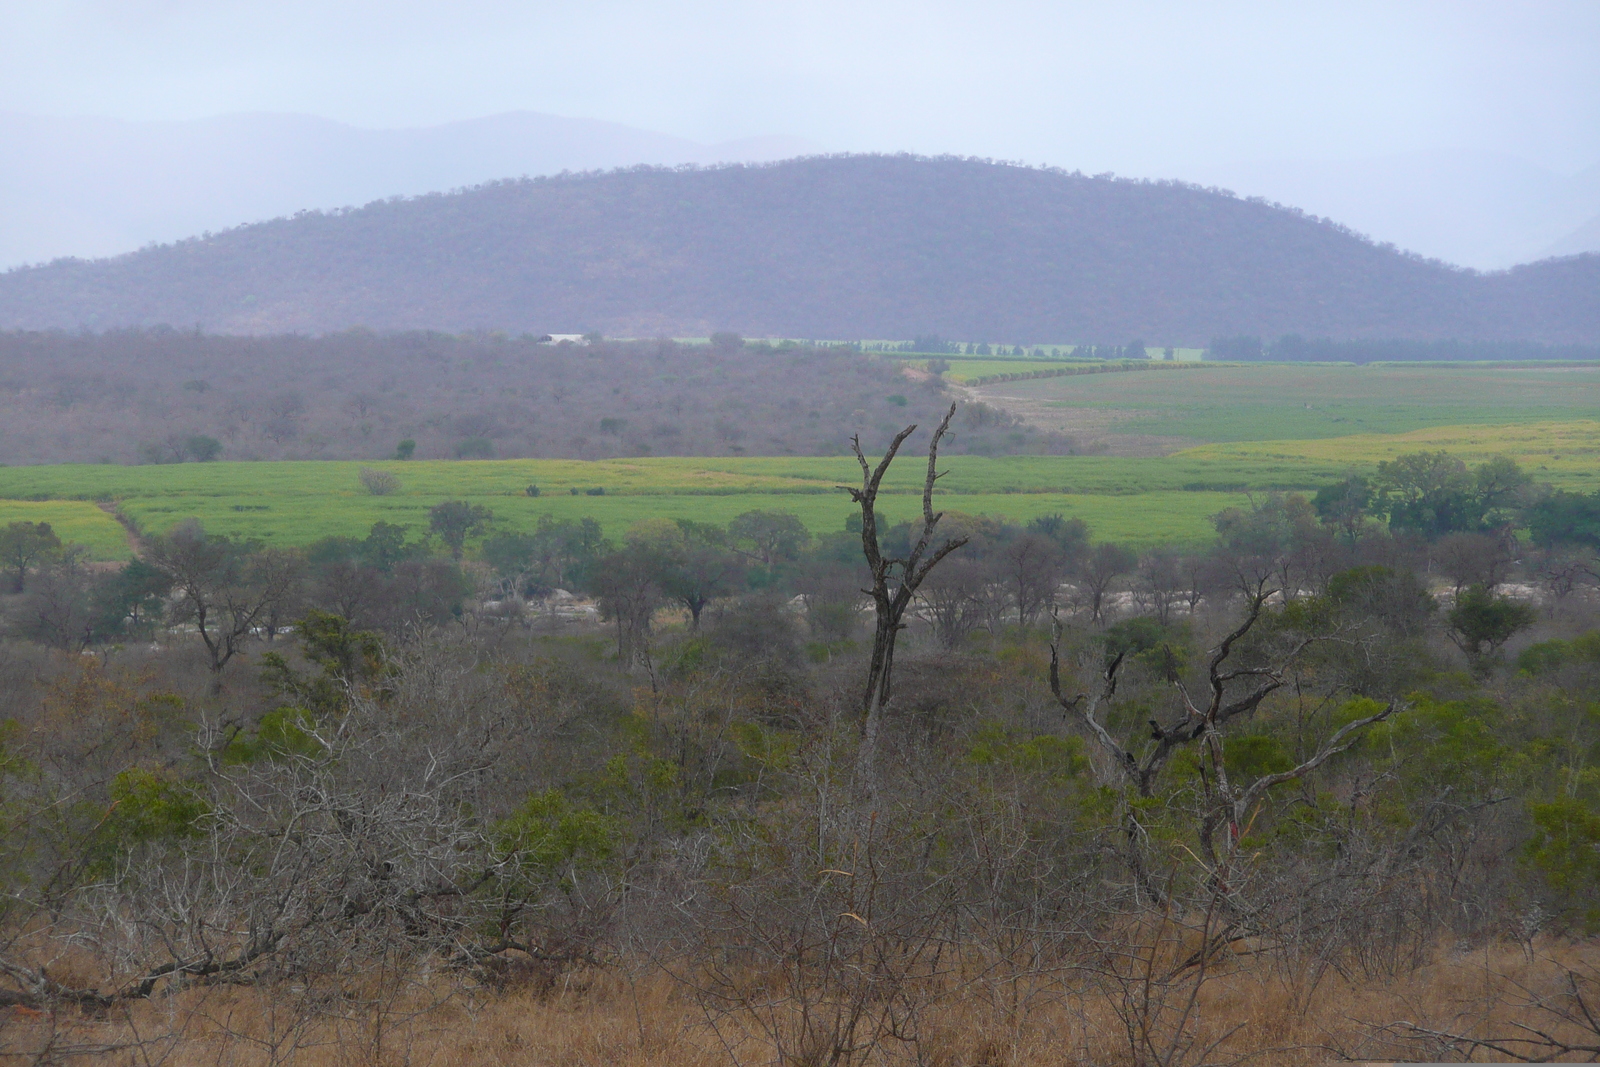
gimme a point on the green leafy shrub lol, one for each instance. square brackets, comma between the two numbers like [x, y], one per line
[549, 837]
[1046, 756]
[145, 808]
[1254, 756]
[1565, 849]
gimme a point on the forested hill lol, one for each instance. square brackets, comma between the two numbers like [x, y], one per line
[843, 247]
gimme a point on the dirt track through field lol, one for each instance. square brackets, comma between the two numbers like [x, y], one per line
[1093, 428]
[135, 542]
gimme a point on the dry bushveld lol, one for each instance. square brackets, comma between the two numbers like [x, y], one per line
[1274, 803]
[1497, 1003]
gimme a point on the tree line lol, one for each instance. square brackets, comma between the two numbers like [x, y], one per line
[1293, 348]
[934, 346]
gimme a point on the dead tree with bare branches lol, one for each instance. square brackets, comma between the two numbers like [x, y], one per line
[894, 583]
[1234, 692]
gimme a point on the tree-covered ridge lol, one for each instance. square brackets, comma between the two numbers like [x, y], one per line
[843, 247]
[169, 396]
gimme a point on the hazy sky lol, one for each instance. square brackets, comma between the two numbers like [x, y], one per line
[1140, 88]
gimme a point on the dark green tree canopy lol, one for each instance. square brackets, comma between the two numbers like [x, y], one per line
[456, 520]
[23, 546]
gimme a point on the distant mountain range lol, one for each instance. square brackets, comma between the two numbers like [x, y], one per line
[96, 187]
[840, 247]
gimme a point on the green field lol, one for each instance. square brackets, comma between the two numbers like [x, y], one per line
[295, 503]
[256, 486]
[1565, 454]
[1265, 402]
[1265, 427]
[1138, 500]
[75, 522]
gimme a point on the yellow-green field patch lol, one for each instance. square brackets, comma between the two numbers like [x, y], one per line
[1565, 454]
[74, 521]
[1140, 500]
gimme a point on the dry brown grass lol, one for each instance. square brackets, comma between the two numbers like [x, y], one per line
[1254, 1009]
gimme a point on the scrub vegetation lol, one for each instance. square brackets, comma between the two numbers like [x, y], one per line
[169, 397]
[923, 786]
[1273, 747]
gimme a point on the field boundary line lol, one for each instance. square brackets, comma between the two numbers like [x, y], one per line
[135, 539]
[1068, 372]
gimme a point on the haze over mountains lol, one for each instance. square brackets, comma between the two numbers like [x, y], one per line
[93, 187]
[1483, 210]
[843, 247]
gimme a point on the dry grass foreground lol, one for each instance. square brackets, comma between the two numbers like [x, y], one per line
[1254, 1008]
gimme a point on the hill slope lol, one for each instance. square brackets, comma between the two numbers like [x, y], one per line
[130, 396]
[100, 187]
[860, 246]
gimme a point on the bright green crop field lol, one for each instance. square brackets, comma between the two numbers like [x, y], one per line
[1140, 501]
[75, 522]
[1256, 427]
[1285, 401]
[251, 486]
[295, 503]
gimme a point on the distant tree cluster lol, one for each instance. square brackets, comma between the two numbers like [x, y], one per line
[1292, 348]
[166, 396]
[935, 346]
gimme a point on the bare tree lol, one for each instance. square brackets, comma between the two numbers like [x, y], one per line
[1561, 1022]
[1475, 558]
[1195, 723]
[1198, 575]
[1276, 539]
[894, 582]
[226, 588]
[283, 412]
[1161, 585]
[62, 608]
[378, 482]
[954, 600]
[1099, 569]
[1561, 572]
[1032, 565]
[1234, 692]
[626, 585]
